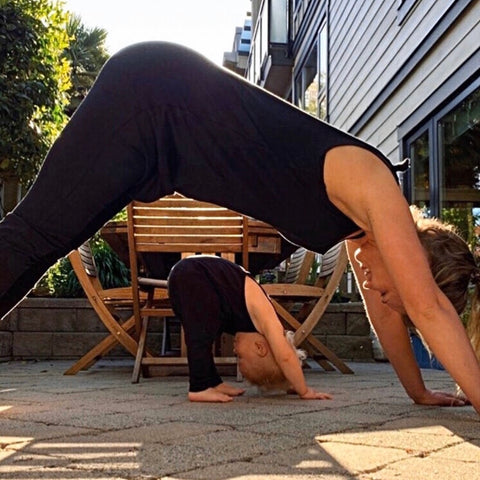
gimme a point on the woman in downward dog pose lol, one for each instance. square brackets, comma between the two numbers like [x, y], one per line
[161, 118]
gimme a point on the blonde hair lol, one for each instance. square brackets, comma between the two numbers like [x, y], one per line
[453, 267]
[267, 375]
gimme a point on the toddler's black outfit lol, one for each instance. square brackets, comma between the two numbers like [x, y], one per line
[208, 295]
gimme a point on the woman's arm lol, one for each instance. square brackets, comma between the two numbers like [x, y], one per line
[395, 341]
[366, 191]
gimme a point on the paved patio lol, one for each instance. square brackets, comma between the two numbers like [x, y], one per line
[97, 425]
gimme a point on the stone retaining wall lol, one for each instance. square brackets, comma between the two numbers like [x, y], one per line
[44, 328]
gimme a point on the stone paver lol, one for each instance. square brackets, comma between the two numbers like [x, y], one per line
[97, 425]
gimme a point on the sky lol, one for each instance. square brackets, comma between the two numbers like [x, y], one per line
[207, 26]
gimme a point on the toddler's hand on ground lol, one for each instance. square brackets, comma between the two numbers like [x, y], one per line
[312, 394]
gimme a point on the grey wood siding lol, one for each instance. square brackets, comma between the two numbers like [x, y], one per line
[368, 47]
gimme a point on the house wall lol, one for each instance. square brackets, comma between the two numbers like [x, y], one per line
[373, 58]
[305, 29]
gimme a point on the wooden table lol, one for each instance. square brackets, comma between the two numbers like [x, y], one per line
[266, 249]
[266, 246]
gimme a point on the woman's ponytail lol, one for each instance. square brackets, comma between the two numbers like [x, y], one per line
[454, 268]
[473, 326]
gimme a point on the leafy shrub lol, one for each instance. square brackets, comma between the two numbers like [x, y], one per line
[61, 281]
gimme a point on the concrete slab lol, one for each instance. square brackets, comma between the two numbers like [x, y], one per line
[97, 425]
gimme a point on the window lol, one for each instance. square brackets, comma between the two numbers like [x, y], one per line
[459, 163]
[420, 158]
[307, 84]
[445, 154]
[278, 21]
[310, 87]
[323, 72]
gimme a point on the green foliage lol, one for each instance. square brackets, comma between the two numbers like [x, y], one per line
[313, 273]
[61, 281]
[86, 54]
[465, 220]
[121, 216]
[112, 271]
[33, 83]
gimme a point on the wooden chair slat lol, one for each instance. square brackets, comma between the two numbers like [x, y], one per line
[204, 248]
[198, 238]
[187, 221]
[197, 231]
[86, 257]
[179, 203]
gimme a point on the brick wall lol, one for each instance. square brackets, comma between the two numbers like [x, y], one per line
[45, 328]
[344, 328]
[42, 328]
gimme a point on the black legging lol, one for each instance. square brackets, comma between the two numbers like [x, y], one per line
[208, 295]
[159, 119]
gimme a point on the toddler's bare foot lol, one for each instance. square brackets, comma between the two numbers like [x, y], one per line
[230, 390]
[209, 395]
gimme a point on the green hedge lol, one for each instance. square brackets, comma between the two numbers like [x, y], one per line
[61, 281]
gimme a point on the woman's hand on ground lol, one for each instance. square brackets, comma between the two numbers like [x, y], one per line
[443, 399]
[220, 394]
[312, 394]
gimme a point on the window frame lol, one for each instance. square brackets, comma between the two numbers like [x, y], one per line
[432, 125]
[299, 75]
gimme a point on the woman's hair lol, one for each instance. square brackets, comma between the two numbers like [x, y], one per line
[453, 267]
[267, 375]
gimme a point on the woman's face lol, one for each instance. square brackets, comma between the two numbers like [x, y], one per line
[375, 275]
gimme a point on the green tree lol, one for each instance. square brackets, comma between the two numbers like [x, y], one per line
[87, 54]
[33, 88]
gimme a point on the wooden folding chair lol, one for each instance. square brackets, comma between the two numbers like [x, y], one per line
[106, 304]
[313, 298]
[186, 226]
